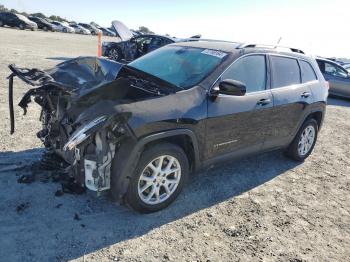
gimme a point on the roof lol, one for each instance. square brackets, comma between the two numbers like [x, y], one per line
[234, 47]
[229, 47]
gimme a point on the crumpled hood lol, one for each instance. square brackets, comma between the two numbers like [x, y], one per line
[75, 74]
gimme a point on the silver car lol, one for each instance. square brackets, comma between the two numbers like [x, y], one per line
[337, 76]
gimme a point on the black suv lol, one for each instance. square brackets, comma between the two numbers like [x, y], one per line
[139, 130]
[16, 20]
[42, 23]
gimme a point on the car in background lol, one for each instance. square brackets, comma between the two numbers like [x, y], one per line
[16, 20]
[63, 27]
[107, 32]
[132, 47]
[337, 76]
[94, 30]
[347, 67]
[43, 24]
[80, 30]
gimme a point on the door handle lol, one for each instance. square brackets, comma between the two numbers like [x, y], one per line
[264, 101]
[305, 94]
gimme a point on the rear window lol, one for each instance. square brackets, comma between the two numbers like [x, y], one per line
[307, 72]
[285, 71]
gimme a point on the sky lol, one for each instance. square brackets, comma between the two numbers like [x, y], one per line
[317, 27]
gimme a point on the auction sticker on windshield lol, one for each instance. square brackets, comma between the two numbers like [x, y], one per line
[215, 53]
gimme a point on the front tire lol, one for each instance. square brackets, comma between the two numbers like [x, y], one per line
[304, 142]
[115, 54]
[158, 179]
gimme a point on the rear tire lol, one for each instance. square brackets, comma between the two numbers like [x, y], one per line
[45, 28]
[159, 177]
[304, 142]
[1, 23]
[21, 26]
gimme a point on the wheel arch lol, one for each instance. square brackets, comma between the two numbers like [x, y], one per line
[184, 138]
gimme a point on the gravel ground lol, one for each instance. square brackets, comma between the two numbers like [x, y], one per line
[265, 208]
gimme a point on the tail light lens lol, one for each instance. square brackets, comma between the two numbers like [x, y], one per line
[327, 85]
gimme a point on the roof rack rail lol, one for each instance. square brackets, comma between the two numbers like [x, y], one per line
[246, 45]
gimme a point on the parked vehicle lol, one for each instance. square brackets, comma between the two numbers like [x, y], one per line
[80, 30]
[139, 130]
[347, 67]
[337, 77]
[94, 30]
[63, 27]
[43, 24]
[16, 20]
[132, 47]
[106, 31]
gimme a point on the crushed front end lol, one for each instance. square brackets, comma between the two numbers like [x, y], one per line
[84, 135]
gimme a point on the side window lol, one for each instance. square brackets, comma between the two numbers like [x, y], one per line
[285, 71]
[307, 72]
[335, 70]
[250, 70]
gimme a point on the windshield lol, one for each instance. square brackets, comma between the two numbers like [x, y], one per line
[181, 66]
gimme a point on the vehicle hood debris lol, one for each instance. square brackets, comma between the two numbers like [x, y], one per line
[122, 30]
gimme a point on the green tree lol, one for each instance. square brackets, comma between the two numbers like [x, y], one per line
[41, 15]
[144, 30]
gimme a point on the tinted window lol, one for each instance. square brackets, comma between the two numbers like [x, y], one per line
[307, 72]
[250, 70]
[285, 71]
[335, 70]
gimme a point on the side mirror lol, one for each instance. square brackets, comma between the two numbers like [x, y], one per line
[230, 87]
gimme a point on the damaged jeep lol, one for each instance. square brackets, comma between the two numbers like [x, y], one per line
[139, 130]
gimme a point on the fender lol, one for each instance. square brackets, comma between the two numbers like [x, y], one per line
[314, 108]
[128, 154]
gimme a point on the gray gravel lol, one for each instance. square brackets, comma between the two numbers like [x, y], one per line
[265, 208]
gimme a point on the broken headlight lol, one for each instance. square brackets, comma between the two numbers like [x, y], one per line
[83, 133]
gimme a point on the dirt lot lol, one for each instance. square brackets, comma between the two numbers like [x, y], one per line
[265, 208]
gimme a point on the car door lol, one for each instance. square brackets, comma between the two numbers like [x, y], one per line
[338, 78]
[237, 124]
[291, 98]
[11, 19]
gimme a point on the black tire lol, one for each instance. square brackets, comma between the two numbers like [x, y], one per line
[1, 23]
[65, 30]
[292, 151]
[21, 26]
[132, 196]
[115, 54]
[45, 28]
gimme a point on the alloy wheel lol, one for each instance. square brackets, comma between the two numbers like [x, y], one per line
[306, 140]
[113, 54]
[159, 180]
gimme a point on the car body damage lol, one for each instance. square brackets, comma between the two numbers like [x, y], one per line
[84, 111]
[140, 129]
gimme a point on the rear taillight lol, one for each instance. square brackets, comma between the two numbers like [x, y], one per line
[327, 84]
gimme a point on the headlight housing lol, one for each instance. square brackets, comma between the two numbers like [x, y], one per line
[83, 133]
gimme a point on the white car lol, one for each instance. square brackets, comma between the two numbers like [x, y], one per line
[80, 30]
[63, 27]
